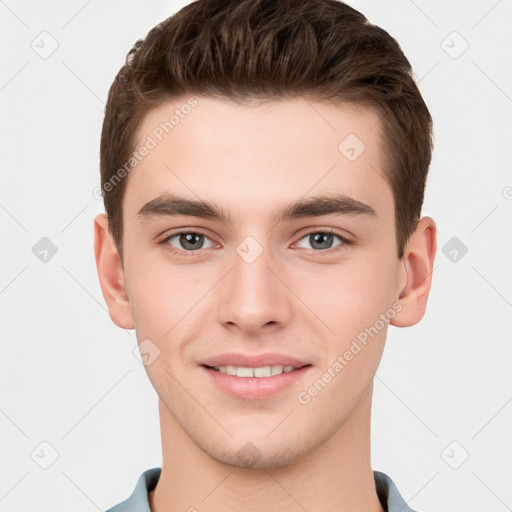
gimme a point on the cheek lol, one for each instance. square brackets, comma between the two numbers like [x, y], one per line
[165, 299]
[351, 297]
[346, 297]
[154, 295]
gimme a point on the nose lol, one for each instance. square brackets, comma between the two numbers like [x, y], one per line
[253, 296]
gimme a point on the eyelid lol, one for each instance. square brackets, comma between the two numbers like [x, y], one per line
[183, 231]
[343, 234]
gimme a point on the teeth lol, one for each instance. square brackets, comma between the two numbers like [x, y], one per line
[276, 369]
[262, 371]
[244, 372]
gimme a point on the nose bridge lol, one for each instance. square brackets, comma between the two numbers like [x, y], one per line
[252, 295]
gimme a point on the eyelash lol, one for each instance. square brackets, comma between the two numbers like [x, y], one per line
[325, 252]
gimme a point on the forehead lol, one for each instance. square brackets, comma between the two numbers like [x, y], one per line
[252, 155]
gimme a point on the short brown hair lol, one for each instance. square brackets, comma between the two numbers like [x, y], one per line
[321, 50]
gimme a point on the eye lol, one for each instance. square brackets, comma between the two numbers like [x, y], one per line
[322, 240]
[187, 241]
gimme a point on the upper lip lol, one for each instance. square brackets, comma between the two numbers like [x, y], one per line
[253, 361]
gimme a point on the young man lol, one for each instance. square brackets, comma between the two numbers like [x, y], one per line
[263, 165]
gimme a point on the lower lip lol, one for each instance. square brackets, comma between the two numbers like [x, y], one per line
[253, 388]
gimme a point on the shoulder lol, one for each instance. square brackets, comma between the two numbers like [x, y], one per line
[387, 491]
[389, 495]
[138, 501]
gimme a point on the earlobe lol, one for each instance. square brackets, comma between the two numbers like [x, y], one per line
[418, 264]
[111, 275]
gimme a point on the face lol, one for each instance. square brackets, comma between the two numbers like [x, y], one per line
[263, 308]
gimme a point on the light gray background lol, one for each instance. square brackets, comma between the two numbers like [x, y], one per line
[68, 376]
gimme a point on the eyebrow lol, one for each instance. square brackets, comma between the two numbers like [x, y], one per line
[170, 205]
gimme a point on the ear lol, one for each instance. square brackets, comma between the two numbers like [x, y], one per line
[111, 275]
[417, 266]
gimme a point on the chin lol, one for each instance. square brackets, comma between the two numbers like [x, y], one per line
[258, 453]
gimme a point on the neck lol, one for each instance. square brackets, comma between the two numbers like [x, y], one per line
[335, 476]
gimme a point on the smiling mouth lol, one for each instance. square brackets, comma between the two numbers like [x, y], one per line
[259, 372]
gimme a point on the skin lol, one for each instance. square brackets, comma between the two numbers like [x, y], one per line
[294, 299]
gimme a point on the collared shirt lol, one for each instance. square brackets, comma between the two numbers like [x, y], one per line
[138, 502]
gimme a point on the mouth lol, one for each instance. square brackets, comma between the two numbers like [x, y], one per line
[255, 381]
[259, 372]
